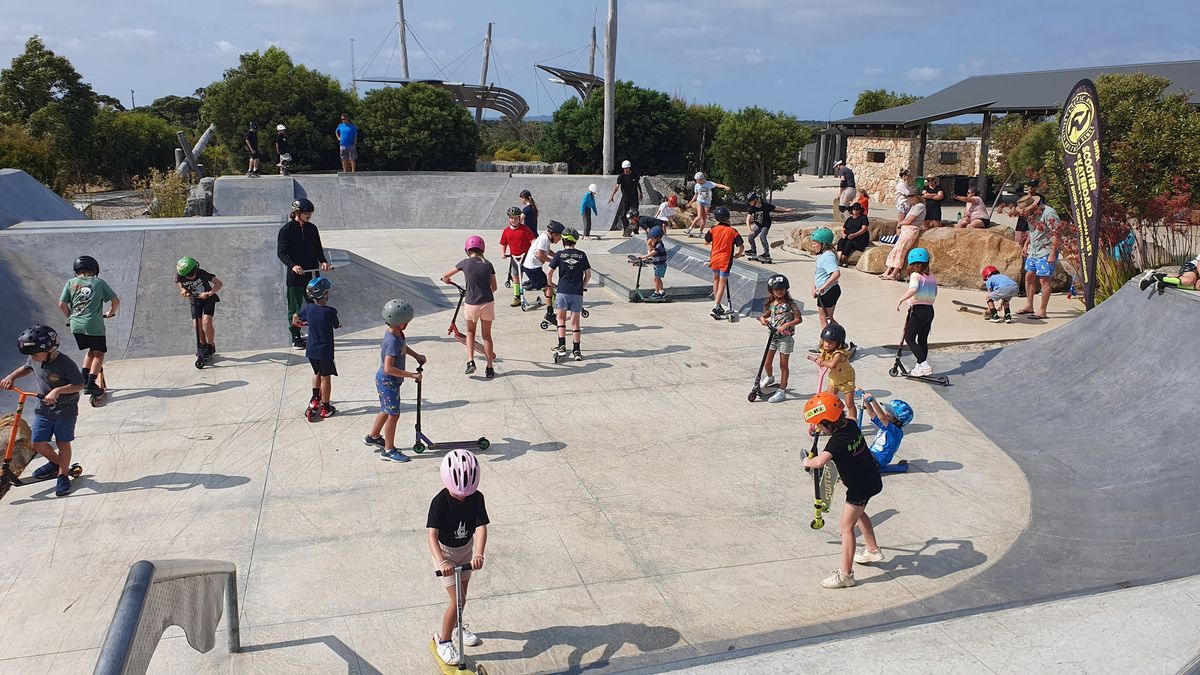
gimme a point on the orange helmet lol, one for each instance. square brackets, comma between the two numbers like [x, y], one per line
[673, 201]
[823, 407]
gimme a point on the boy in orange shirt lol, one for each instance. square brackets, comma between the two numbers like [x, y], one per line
[723, 239]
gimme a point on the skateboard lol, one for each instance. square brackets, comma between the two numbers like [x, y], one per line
[969, 307]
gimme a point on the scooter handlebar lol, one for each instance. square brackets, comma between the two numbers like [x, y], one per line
[23, 393]
[461, 568]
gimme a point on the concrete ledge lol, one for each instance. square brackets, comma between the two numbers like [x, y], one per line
[747, 283]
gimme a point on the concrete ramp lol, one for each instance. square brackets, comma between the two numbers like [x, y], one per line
[23, 198]
[375, 200]
[137, 258]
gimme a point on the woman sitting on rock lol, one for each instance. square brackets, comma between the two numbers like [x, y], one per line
[977, 212]
[909, 229]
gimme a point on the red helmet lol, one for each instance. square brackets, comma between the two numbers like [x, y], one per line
[673, 201]
[988, 271]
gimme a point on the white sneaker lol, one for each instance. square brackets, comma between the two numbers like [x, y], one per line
[469, 639]
[766, 382]
[838, 579]
[447, 652]
[922, 369]
[864, 557]
[777, 397]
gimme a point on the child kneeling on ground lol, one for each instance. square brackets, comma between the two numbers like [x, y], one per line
[856, 466]
[391, 374]
[457, 515]
[889, 420]
[1000, 288]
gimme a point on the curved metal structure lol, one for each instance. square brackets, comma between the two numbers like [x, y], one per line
[583, 83]
[505, 101]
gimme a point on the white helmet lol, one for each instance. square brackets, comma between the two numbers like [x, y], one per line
[700, 176]
[593, 189]
[626, 165]
[280, 127]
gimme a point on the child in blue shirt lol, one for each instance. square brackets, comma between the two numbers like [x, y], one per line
[321, 320]
[1000, 288]
[656, 255]
[888, 418]
[587, 208]
[397, 314]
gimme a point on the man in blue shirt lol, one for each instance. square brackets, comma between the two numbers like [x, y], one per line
[347, 135]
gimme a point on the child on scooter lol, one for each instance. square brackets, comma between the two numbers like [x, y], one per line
[888, 418]
[574, 273]
[656, 256]
[835, 356]
[457, 535]
[922, 291]
[783, 314]
[391, 374]
[321, 320]
[515, 241]
[200, 286]
[82, 302]
[480, 301]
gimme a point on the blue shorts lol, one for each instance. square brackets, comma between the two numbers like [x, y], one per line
[1041, 266]
[660, 271]
[45, 429]
[571, 303]
[724, 274]
[388, 388]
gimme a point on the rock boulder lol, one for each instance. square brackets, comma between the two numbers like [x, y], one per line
[874, 259]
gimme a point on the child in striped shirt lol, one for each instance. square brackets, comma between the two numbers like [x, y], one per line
[922, 290]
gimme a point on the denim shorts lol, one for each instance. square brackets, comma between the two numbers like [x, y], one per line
[660, 271]
[571, 303]
[1041, 266]
[45, 429]
[388, 388]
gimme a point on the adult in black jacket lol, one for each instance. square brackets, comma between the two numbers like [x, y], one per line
[299, 248]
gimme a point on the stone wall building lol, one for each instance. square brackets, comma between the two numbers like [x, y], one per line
[876, 163]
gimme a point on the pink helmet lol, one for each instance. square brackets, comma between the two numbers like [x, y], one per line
[460, 473]
[473, 241]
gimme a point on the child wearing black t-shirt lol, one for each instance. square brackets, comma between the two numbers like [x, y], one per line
[456, 515]
[856, 465]
[200, 286]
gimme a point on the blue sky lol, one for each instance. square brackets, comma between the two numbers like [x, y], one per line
[798, 56]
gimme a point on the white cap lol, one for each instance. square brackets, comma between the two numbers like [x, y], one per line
[839, 163]
[593, 189]
[280, 127]
[700, 176]
[626, 165]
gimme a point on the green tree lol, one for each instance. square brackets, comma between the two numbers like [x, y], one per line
[754, 147]
[131, 143]
[955, 132]
[179, 111]
[1018, 145]
[35, 156]
[270, 89]
[417, 127]
[700, 132]
[42, 90]
[649, 132]
[872, 100]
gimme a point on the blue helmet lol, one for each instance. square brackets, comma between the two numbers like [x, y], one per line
[655, 232]
[318, 288]
[918, 255]
[902, 411]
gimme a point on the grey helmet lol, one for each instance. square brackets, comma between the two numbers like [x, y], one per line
[397, 312]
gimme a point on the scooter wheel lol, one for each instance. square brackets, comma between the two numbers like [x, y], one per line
[752, 396]
[76, 471]
[309, 413]
[894, 372]
[825, 507]
[817, 524]
[484, 443]
[545, 325]
[95, 401]
[524, 308]
[418, 448]
[586, 313]
[199, 364]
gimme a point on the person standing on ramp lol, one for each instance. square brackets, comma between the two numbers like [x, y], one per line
[299, 249]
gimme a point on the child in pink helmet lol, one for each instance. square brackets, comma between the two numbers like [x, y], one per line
[457, 527]
[480, 301]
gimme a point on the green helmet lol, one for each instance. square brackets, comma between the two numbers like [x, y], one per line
[570, 235]
[186, 265]
[514, 212]
[397, 312]
[823, 235]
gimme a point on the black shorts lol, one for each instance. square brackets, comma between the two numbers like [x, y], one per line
[1022, 225]
[203, 307]
[829, 298]
[535, 279]
[848, 245]
[97, 343]
[253, 154]
[1189, 266]
[986, 222]
[323, 367]
[860, 495]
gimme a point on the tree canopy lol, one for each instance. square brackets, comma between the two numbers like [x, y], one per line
[754, 147]
[873, 100]
[417, 127]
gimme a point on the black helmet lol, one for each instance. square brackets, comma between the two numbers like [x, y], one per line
[721, 214]
[303, 206]
[514, 212]
[37, 339]
[834, 333]
[555, 227]
[86, 263]
[778, 281]
[753, 197]
[633, 213]
[254, 126]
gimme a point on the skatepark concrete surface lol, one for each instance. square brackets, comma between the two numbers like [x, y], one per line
[23, 198]
[645, 516]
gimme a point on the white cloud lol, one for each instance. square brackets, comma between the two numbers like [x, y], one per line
[756, 55]
[130, 34]
[924, 74]
[972, 67]
[872, 71]
[225, 47]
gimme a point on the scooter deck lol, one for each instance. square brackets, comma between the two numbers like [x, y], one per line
[479, 669]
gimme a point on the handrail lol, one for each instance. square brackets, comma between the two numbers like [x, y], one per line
[163, 593]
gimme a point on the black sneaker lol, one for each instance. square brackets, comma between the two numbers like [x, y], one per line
[376, 441]
[299, 343]
[1007, 317]
[577, 355]
[490, 372]
[470, 367]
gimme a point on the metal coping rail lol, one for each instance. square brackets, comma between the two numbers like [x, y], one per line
[163, 593]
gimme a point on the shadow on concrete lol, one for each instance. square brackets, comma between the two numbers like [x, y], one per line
[512, 448]
[355, 664]
[583, 640]
[551, 369]
[973, 364]
[622, 328]
[86, 485]
[639, 353]
[174, 392]
[948, 556]
[926, 466]
[283, 358]
[916, 428]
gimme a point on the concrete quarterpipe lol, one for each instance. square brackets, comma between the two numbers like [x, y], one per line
[23, 198]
